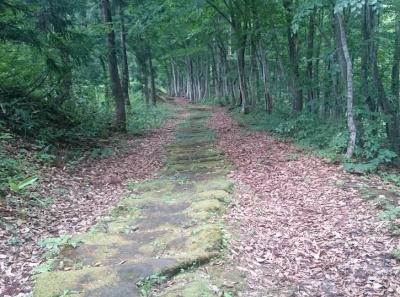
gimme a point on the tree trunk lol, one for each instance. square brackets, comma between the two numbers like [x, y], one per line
[395, 87]
[152, 81]
[265, 74]
[125, 67]
[242, 77]
[293, 51]
[146, 88]
[367, 48]
[347, 73]
[120, 116]
[310, 63]
[65, 91]
[106, 81]
[254, 73]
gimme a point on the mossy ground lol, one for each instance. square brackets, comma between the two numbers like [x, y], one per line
[163, 227]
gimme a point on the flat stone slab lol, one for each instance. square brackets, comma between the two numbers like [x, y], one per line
[115, 281]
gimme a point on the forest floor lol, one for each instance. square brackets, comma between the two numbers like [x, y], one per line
[203, 207]
[72, 200]
[304, 226]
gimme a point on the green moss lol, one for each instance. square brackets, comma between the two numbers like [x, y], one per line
[209, 205]
[220, 195]
[125, 209]
[217, 183]
[203, 216]
[207, 238]
[52, 284]
[162, 184]
[199, 288]
[103, 239]
[197, 167]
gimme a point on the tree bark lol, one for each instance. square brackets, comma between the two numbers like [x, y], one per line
[242, 78]
[125, 66]
[347, 73]
[393, 125]
[395, 87]
[152, 80]
[265, 73]
[297, 93]
[107, 92]
[120, 116]
[310, 56]
[367, 19]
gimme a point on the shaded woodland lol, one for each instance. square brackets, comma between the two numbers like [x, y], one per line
[325, 73]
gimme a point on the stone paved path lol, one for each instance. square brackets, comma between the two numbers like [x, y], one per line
[166, 226]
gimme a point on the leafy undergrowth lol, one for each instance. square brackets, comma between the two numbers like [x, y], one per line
[21, 157]
[328, 138]
[45, 199]
[301, 233]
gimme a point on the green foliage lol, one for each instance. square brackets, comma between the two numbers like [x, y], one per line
[149, 282]
[66, 293]
[14, 169]
[396, 253]
[47, 266]
[212, 101]
[142, 117]
[391, 213]
[16, 186]
[391, 177]
[384, 156]
[54, 243]
[53, 246]
[306, 128]
[328, 137]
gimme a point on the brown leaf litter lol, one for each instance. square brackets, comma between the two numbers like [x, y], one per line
[298, 232]
[80, 196]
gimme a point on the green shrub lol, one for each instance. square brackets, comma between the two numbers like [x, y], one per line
[142, 117]
[328, 137]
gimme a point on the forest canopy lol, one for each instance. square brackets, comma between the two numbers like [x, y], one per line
[323, 72]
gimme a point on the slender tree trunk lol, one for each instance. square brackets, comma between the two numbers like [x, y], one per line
[310, 63]
[347, 72]
[146, 88]
[152, 80]
[367, 19]
[254, 73]
[66, 80]
[297, 93]
[120, 116]
[242, 75]
[174, 79]
[224, 70]
[107, 92]
[393, 125]
[125, 67]
[395, 87]
[316, 78]
[265, 74]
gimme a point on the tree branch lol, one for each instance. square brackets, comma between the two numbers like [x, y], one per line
[219, 11]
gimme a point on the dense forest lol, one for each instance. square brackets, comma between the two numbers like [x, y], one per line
[319, 71]
[133, 131]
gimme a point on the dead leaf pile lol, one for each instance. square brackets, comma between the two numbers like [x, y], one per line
[80, 196]
[298, 232]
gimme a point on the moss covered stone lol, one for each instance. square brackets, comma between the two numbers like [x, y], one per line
[52, 284]
[163, 227]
